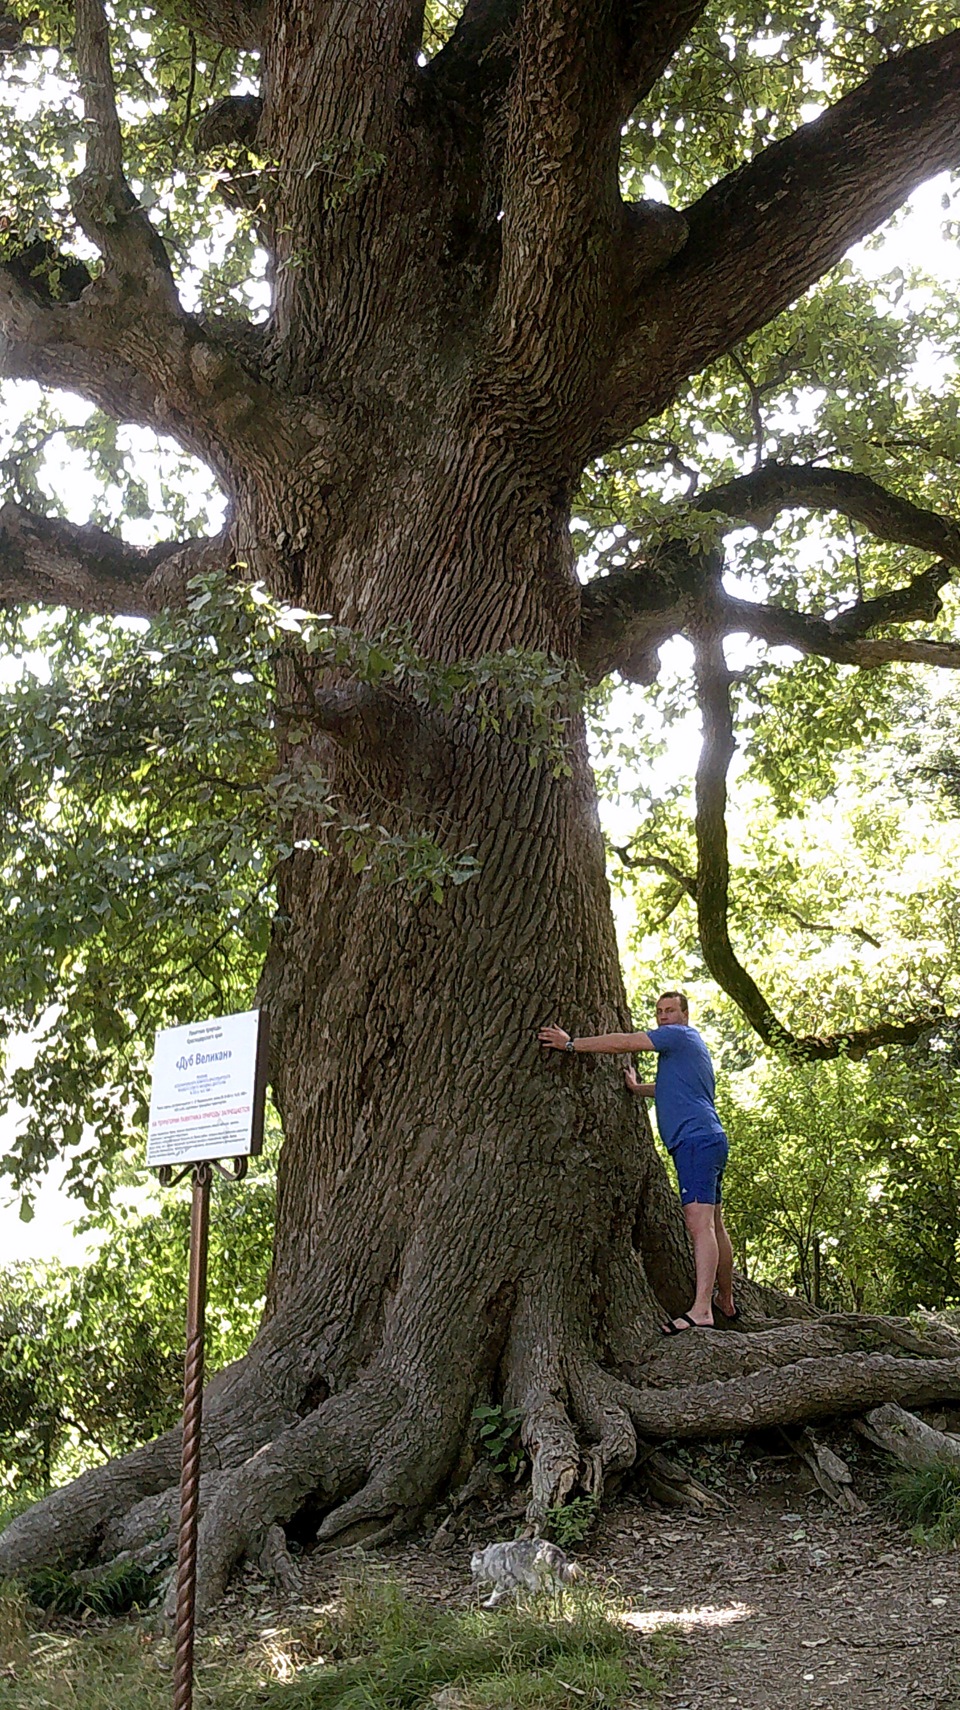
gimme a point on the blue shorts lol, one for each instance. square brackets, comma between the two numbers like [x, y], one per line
[699, 1162]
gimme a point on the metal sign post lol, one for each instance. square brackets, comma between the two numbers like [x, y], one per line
[202, 1101]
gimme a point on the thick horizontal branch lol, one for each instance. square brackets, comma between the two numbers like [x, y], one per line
[625, 616]
[769, 231]
[143, 360]
[342, 710]
[713, 883]
[832, 638]
[758, 498]
[46, 561]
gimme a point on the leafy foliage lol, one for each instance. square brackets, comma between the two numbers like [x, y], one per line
[91, 1357]
[499, 1431]
[571, 1522]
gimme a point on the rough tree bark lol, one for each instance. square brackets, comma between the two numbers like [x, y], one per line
[462, 316]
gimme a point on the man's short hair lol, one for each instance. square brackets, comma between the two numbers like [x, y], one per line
[681, 998]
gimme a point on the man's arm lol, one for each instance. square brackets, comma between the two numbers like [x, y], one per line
[558, 1040]
[643, 1089]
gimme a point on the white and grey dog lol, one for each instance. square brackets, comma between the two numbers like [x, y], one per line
[528, 1564]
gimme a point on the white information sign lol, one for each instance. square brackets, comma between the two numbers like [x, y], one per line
[207, 1090]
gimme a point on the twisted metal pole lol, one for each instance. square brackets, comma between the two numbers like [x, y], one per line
[192, 1419]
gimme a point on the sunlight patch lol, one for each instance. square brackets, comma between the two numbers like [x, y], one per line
[706, 1615]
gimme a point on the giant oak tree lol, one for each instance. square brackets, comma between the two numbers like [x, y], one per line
[469, 307]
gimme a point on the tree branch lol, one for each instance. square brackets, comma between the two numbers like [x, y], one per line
[657, 864]
[652, 35]
[713, 881]
[476, 63]
[11, 30]
[687, 884]
[837, 638]
[233, 23]
[625, 616]
[142, 359]
[105, 206]
[759, 497]
[561, 200]
[763, 235]
[46, 561]
[123, 338]
[340, 85]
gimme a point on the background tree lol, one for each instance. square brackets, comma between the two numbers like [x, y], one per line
[468, 307]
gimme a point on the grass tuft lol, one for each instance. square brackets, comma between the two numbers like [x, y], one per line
[86, 1668]
[929, 1499]
[374, 1647]
[116, 1591]
[385, 1650]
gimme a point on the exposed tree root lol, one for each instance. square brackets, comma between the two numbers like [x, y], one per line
[276, 1562]
[68, 1524]
[674, 1486]
[908, 1439]
[368, 1460]
[121, 1505]
[536, 1386]
[611, 1441]
[831, 1473]
[812, 1389]
[323, 1456]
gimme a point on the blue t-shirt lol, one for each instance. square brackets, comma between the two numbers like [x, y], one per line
[685, 1085]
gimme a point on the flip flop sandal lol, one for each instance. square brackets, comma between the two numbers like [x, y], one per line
[672, 1329]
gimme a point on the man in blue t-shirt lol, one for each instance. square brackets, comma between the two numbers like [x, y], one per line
[692, 1133]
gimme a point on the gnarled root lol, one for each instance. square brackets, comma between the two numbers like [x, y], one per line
[908, 1439]
[68, 1524]
[580, 1421]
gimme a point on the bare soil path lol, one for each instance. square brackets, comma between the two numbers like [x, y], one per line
[779, 1600]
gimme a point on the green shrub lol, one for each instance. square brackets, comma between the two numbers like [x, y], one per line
[499, 1431]
[569, 1522]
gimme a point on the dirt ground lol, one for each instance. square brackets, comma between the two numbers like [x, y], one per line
[779, 1600]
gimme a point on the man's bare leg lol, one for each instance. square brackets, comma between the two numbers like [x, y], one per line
[706, 1257]
[725, 1299]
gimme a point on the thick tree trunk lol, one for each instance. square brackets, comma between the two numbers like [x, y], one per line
[455, 1207]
